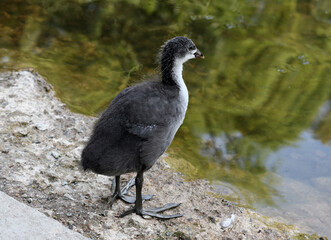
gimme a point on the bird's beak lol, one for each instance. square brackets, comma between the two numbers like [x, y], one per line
[198, 54]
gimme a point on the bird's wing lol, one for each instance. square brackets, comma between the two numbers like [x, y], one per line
[142, 110]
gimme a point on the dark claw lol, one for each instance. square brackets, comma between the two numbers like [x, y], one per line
[165, 207]
[132, 210]
[160, 216]
[154, 212]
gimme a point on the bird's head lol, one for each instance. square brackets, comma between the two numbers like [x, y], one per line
[180, 49]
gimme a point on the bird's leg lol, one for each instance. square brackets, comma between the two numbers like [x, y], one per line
[150, 212]
[123, 193]
[117, 191]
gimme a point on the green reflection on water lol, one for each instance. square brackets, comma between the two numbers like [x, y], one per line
[265, 76]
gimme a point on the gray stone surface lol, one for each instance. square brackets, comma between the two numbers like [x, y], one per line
[40, 146]
[21, 222]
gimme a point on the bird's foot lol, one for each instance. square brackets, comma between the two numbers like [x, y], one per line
[154, 212]
[123, 194]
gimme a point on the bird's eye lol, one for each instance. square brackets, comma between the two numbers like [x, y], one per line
[191, 48]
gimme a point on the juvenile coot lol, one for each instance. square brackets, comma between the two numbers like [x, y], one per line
[139, 125]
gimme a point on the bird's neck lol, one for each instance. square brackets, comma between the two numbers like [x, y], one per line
[172, 75]
[172, 72]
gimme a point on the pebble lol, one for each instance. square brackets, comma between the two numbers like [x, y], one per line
[241, 237]
[136, 233]
[211, 219]
[227, 222]
[69, 214]
[6, 150]
[21, 132]
[136, 221]
[202, 235]
[29, 200]
[67, 195]
[55, 154]
[41, 127]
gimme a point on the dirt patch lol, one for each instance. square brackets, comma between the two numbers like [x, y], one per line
[40, 147]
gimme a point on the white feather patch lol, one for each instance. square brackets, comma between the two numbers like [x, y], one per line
[178, 77]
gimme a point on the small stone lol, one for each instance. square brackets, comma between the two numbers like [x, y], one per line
[29, 200]
[146, 217]
[64, 183]
[136, 233]
[136, 221]
[70, 226]
[21, 132]
[241, 237]
[6, 150]
[268, 231]
[55, 154]
[69, 214]
[67, 195]
[41, 127]
[227, 222]
[211, 219]
[102, 214]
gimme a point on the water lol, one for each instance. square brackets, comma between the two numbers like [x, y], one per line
[258, 124]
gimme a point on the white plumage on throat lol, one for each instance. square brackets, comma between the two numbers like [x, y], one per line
[178, 78]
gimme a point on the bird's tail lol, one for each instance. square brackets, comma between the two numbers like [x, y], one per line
[84, 162]
[90, 157]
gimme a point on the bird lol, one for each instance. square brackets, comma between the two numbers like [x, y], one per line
[139, 125]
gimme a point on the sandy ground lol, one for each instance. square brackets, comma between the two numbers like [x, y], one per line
[40, 147]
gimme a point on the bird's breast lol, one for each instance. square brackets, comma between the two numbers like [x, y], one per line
[183, 97]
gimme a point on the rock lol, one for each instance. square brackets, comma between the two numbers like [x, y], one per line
[241, 237]
[21, 132]
[212, 219]
[227, 222]
[41, 126]
[6, 150]
[67, 195]
[43, 163]
[136, 221]
[55, 154]
[19, 221]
